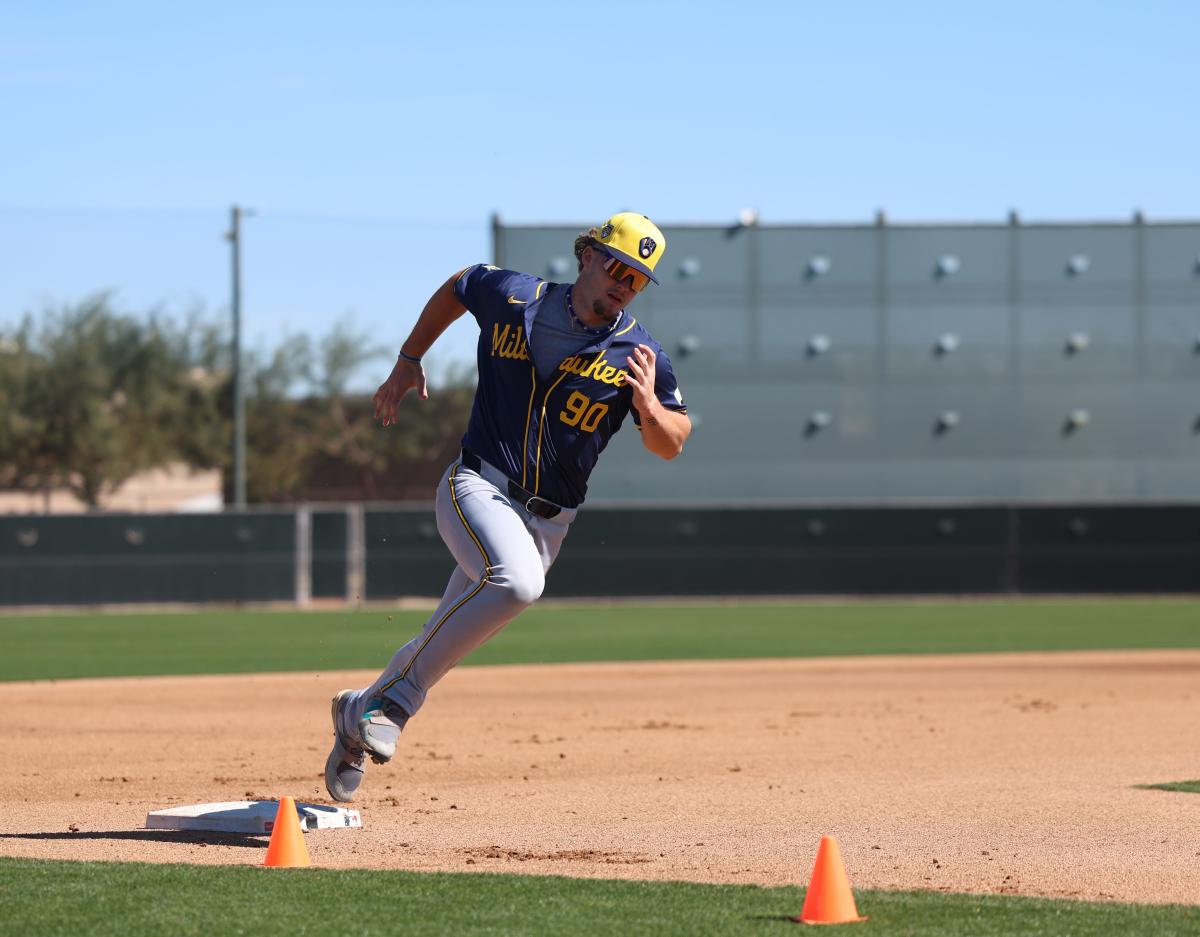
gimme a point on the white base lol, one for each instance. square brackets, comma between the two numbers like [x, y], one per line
[249, 816]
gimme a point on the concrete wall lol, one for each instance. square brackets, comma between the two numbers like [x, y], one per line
[1006, 363]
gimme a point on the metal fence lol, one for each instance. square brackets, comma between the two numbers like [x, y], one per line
[383, 552]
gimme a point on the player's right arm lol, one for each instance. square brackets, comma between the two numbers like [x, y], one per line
[442, 309]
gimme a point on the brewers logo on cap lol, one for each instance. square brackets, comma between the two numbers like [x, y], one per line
[635, 240]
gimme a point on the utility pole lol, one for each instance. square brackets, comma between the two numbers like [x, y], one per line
[234, 236]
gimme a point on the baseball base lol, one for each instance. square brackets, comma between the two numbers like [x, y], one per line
[252, 817]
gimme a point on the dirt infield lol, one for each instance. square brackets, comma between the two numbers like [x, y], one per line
[993, 774]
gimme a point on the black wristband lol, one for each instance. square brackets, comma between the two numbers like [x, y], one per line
[414, 359]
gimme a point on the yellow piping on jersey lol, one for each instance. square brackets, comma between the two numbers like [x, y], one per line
[487, 562]
[627, 328]
[541, 286]
[537, 465]
[483, 581]
[528, 417]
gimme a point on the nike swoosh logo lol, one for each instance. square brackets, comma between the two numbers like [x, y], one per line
[518, 302]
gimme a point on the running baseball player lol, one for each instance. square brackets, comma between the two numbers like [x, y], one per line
[560, 366]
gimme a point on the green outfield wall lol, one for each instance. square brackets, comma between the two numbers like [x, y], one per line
[385, 552]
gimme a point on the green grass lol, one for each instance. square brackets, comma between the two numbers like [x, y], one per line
[69, 899]
[50, 898]
[103, 645]
[1187, 787]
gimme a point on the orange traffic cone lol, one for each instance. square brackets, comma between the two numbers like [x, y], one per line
[829, 899]
[287, 849]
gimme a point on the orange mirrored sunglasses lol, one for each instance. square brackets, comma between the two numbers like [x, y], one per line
[623, 273]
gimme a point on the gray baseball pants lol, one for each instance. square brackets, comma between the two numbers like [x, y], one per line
[503, 554]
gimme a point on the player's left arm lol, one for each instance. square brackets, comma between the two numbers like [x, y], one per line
[663, 431]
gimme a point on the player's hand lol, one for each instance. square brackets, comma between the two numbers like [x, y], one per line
[639, 375]
[405, 376]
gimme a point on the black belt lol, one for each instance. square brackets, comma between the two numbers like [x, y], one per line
[533, 504]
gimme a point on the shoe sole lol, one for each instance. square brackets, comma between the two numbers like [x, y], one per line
[333, 713]
[335, 780]
[337, 757]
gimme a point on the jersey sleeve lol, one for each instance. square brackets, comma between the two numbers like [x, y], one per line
[666, 386]
[486, 290]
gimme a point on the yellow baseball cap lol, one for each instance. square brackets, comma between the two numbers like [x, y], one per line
[633, 239]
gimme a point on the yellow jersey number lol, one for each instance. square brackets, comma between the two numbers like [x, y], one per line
[580, 411]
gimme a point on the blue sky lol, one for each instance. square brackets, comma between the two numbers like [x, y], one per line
[374, 142]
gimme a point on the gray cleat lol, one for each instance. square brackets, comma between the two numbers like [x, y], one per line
[347, 761]
[375, 734]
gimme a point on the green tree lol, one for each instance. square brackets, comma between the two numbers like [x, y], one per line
[310, 438]
[94, 396]
[90, 395]
[22, 420]
[201, 346]
[281, 433]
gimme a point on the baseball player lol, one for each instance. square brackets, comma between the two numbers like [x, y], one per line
[560, 366]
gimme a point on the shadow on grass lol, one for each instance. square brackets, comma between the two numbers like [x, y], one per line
[207, 838]
[785, 918]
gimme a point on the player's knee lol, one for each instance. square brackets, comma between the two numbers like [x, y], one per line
[521, 587]
[527, 588]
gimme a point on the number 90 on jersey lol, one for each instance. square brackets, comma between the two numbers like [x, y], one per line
[580, 411]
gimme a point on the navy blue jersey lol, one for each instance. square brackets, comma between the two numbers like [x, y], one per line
[547, 433]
